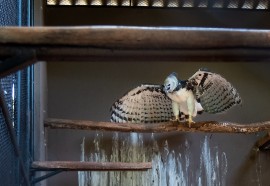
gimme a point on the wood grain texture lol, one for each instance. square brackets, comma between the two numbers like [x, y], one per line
[91, 166]
[124, 37]
[204, 126]
[125, 43]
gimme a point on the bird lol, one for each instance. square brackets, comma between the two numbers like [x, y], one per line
[176, 100]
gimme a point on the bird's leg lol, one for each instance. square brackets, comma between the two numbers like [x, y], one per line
[190, 121]
[176, 111]
[191, 109]
[175, 118]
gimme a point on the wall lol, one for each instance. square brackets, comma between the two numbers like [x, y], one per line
[142, 16]
[87, 90]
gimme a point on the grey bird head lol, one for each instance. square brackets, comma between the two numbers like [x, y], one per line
[171, 83]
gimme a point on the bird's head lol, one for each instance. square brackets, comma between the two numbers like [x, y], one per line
[171, 83]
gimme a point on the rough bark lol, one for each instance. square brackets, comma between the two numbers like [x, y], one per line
[203, 126]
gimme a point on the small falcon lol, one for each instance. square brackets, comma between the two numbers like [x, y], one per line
[176, 100]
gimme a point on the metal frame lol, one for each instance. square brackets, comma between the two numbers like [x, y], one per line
[46, 176]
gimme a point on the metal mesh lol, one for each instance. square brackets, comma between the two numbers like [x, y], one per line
[16, 89]
[240, 4]
[16, 94]
[8, 12]
[8, 160]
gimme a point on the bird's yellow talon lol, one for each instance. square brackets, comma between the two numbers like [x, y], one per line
[190, 121]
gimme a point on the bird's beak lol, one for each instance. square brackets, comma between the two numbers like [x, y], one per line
[164, 89]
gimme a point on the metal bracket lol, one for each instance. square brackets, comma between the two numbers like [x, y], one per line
[46, 176]
[21, 59]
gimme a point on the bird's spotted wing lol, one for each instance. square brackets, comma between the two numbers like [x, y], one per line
[213, 91]
[144, 104]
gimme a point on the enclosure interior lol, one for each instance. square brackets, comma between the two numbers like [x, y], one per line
[86, 91]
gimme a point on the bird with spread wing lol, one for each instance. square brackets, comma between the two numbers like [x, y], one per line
[176, 100]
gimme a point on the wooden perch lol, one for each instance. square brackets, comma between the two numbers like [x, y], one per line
[125, 43]
[128, 37]
[90, 166]
[207, 126]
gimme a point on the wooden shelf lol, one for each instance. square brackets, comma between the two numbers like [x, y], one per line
[90, 166]
[115, 43]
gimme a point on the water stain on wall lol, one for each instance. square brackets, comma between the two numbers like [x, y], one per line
[170, 166]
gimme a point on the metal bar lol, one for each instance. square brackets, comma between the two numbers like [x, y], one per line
[17, 109]
[255, 4]
[41, 178]
[240, 4]
[30, 116]
[12, 134]
[20, 13]
[18, 104]
[226, 3]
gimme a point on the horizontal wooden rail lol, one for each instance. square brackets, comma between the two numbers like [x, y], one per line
[126, 37]
[207, 126]
[123, 43]
[90, 166]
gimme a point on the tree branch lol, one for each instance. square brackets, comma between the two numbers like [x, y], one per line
[204, 126]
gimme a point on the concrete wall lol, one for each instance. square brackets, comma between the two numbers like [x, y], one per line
[87, 90]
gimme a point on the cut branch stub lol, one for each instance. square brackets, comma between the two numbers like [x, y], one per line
[264, 143]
